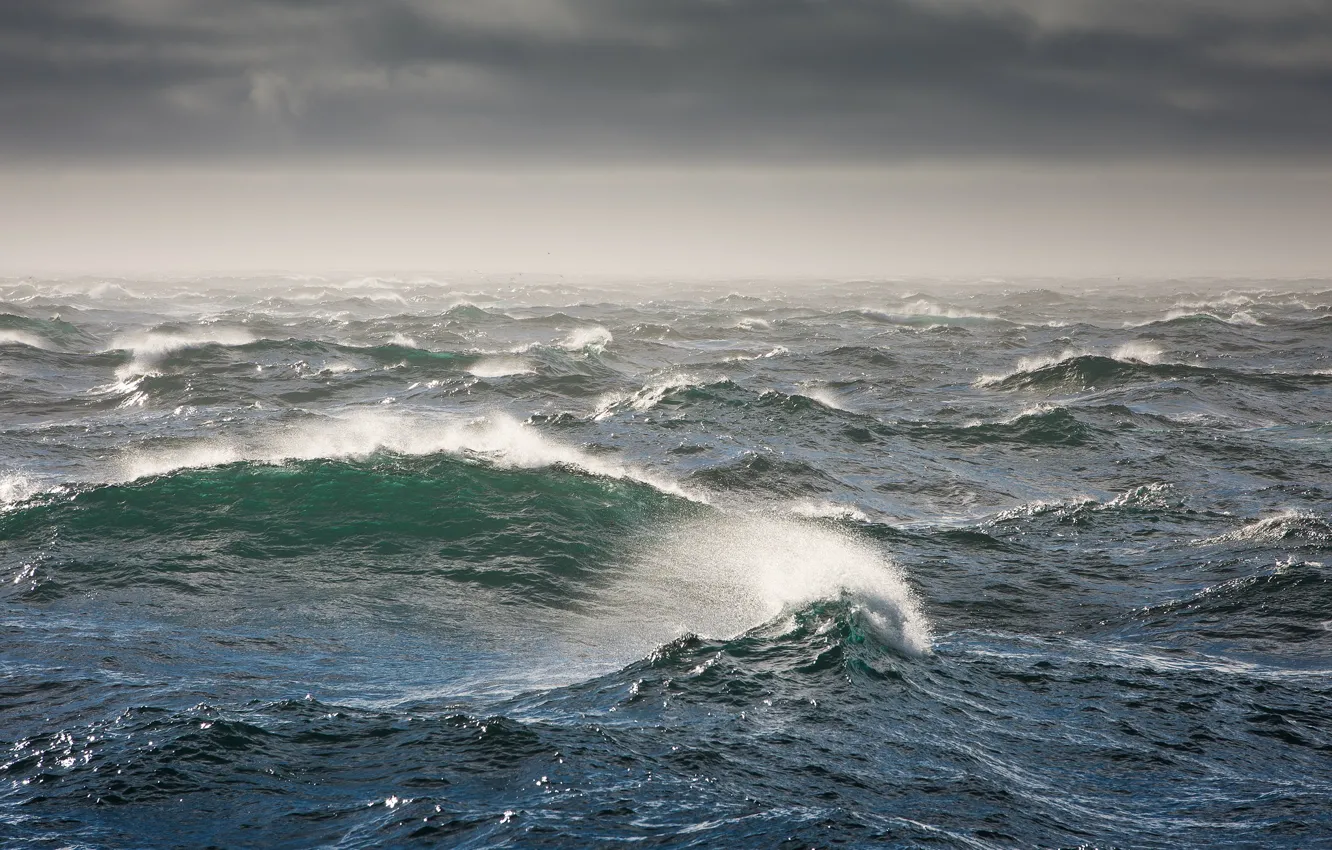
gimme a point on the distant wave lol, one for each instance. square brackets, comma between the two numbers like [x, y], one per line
[656, 392]
[1133, 361]
[150, 347]
[1135, 352]
[1042, 425]
[592, 339]
[922, 311]
[1183, 315]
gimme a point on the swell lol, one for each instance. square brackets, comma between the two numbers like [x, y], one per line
[1051, 427]
[637, 566]
[1085, 371]
[1284, 609]
[200, 531]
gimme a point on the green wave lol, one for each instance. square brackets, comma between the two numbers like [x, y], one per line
[540, 532]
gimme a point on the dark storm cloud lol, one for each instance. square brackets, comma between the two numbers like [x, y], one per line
[633, 80]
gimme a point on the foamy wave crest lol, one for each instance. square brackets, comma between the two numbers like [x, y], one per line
[1139, 351]
[651, 394]
[825, 397]
[1229, 300]
[828, 510]
[500, 439]
[1135, 351]
[775, 352]
[1028, 364]
[1241, 317]
[1156, 496]
[593, 339]
[927, 309]
[11, 337]
[149, 347]
[750, 323]
[16, 487]
[723, 575]
[1287, 525]
[500, 367]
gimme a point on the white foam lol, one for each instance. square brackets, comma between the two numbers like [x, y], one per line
[1237, 318]
[775, 352]
[723, 575]
[749, 323]
[1269, 529]
[1029, 364]
[1034, 410]
[501, 439]
[149, 347]
[923, 307]
[1139, 351]
[651, 393]
[1134, 351]
[825, 397]
[593, 339]
[1230, 300]
[1152, 496]
[828, 510]
[12, 337]
[16, 487]
[500, 367]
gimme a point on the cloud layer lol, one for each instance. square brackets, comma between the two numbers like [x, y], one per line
[824, 81]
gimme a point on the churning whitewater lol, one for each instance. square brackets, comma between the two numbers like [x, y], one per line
[306, 562]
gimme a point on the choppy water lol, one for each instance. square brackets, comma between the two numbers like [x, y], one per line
[298, 563]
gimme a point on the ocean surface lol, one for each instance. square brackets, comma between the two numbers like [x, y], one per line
[531, 562]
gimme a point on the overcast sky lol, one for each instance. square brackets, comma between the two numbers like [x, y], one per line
[1186, 101]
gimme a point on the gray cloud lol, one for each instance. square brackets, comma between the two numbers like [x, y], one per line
[666, 80]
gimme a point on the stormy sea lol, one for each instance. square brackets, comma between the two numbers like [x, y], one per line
[304, 562]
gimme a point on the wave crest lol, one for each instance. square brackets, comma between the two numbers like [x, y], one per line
[723, 575]
[500, 439]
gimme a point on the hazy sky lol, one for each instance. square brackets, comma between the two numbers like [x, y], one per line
[951, 137]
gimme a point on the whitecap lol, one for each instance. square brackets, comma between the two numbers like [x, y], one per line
[725, 574]
[650, 395]
[500, 367]
[500, 439]
[592, 339]
[150, 347]
[13, 337]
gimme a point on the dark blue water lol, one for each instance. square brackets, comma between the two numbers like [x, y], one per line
[329, 563]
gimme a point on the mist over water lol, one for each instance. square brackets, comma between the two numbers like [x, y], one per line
[306, 561]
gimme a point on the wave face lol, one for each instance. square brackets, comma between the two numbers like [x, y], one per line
[409, 562]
